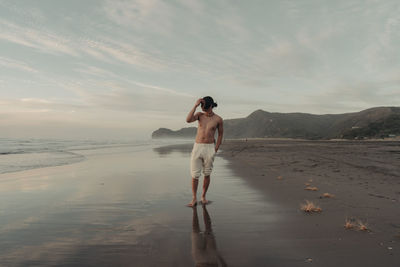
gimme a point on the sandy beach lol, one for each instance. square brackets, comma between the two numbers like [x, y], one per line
[125, 206]
[362, 178]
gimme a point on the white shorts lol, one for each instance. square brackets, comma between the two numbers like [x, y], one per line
[202, 158]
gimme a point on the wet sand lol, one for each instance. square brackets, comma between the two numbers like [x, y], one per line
[126, 207]
[364, 178]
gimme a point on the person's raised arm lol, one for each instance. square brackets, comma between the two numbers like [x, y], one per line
[220, 130]
[191, 117]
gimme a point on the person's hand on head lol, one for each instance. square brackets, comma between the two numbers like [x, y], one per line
[199, 101]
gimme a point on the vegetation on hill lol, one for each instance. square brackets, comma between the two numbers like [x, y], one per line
[369, 123]
[387, 127]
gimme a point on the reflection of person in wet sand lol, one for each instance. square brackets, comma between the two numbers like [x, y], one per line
[204, 246]
[203, 152]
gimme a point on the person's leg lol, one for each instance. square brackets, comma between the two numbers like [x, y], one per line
[195, 183]
[206, 183]
[207, 169]
[195, 169]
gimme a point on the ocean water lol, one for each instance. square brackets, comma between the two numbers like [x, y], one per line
[24, 154]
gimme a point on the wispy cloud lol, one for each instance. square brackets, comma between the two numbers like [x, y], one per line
[143, 15]
[94, 71]
[40, 40]
[123, 52]
[36, 105]
[16, 64]
[146, 60]
[193, 5]
[107, 50]
[127, 83]
[32, 14]
[382, 48]
[163, 89]
[135, 97]
[354, 96]
[232, 26]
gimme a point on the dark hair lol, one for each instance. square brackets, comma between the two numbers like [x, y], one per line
[208, 102]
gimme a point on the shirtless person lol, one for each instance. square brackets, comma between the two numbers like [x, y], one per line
[204, 150]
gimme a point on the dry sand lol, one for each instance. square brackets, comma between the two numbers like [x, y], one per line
[363, 179]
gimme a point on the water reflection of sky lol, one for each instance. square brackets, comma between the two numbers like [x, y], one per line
[126, 208]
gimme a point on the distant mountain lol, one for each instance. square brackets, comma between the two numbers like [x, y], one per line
[373, 122]
[189, 132]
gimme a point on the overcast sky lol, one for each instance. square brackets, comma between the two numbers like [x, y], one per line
[122, 68]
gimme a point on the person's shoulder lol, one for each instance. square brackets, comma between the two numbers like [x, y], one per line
[218, 117]
[199, 114]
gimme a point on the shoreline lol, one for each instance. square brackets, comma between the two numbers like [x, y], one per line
[394, 139]
[386, 139]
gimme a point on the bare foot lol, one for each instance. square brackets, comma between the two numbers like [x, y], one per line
[193, 203]
[204, 201]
